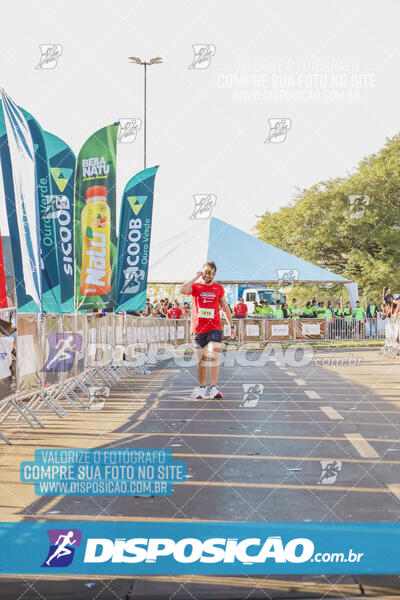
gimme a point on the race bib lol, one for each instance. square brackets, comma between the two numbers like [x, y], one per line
[206, 313]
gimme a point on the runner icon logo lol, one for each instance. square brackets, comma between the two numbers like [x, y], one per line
[128, 129]
[133, 278]
[278, 129]
[251, 394]
[54, 205]
[62, 350]
[330, 471]
[203, 53]
[50, 53]
[287, 277]
[62, 547]
[357, 206]
[203, 205]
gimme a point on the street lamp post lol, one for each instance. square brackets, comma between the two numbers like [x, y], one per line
[145, 64]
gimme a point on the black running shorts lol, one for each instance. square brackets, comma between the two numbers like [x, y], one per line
[202, 339]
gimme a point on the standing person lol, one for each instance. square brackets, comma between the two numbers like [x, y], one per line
[296, 311]
[240, 309]
[277, 311]
[313, 307]
[257, 308]
[338, 316]
[372, 314]
[307, 311]
[321, 310]
[359, 316]
[208, 298]
[329, 320]
[348, 316]
[175, 312]
[268, 310]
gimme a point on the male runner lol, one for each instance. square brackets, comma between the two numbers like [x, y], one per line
[208, 297]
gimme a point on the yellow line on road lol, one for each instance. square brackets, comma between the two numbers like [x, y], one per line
[285, 486]
[42, 516]
[268, 437]
[362, 446]
[331, 413]
[286, 410]
[266, 421]
[282, 458]
[289, 394]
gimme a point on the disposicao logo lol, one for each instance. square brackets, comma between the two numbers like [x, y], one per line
[191, 550]
[62, 547]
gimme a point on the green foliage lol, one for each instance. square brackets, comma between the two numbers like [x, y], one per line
[321, 227]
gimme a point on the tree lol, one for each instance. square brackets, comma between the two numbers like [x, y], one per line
[349, 225]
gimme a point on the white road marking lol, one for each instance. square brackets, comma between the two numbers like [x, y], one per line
[312, 395]
[363, 447]
[300, 382]
[395, 489]
[331, 413]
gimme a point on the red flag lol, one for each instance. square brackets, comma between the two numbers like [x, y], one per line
[3, 290]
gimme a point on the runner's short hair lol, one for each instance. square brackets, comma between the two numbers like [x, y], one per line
[211, 264]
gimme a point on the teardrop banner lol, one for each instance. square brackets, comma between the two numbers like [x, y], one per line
[62, 163]
[17, 155]
[134, 241]
[94, 218]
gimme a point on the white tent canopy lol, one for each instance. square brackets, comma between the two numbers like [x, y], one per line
[239, 257]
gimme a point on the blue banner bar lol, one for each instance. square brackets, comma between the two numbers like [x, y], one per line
[192, 548]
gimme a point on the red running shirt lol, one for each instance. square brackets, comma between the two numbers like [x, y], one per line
[240, 310]
[205, 307]
[174, 313]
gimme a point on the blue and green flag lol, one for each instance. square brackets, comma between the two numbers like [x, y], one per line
[133, 249]
[50, 281]
[17, 156]
[62, 163]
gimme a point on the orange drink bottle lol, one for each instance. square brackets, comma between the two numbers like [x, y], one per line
[95, 226]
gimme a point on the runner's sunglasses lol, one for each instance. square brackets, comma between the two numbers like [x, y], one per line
[208, 272]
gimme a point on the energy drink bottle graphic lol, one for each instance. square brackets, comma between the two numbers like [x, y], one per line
[95, 277]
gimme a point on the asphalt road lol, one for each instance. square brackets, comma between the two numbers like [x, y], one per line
[257, 458]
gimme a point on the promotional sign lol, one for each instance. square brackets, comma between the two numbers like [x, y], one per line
[62, 163]
[18, 170]
[51, 299]
[134, 241]
[7, 370]
[29, 355]
[94, 218]
[3, 289]
[64, 548]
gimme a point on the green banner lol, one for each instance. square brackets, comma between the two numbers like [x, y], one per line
[94, 218]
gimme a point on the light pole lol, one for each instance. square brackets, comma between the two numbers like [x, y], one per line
[145, 64]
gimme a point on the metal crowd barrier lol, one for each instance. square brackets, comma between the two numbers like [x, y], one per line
[71, 361]
[391, 349]
[68, 362]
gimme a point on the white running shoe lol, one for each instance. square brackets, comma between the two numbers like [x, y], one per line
[200, 393]
[214, 392]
